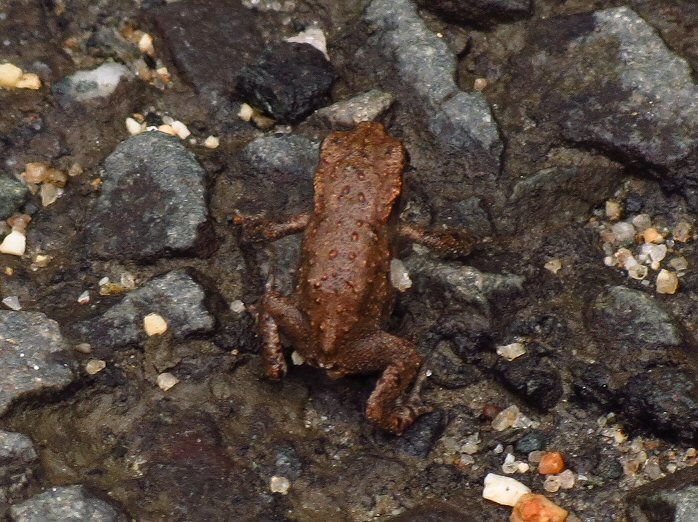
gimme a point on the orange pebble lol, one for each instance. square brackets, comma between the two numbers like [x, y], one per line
[537, 508]
[551, 463]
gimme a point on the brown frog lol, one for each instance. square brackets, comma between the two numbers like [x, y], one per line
[343, 292]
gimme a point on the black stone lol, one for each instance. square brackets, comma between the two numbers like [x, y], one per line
[671, 499]
[532, 441]
[288, 81]
[534, 379]
[482, 13]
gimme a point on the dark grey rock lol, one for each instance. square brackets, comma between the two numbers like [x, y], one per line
[670, 499]
[425, 64]
[631, 315]
[209, 43]
[13, 194]
[18, 459]
[175, 296]
[153, 201]
[293, 156]
[34, 357]
[66, 504]
[470, 214]
[638, 100]
[484, 13]
[449, 370]
[532, 378]
[288, 81]
[363, 107]
[665, 399]
[422, 435]
[531, 441]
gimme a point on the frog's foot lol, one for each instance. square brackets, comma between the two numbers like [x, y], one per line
[447, 243]
[403, 416]
[273, 359]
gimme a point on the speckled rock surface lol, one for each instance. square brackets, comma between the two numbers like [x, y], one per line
[152, 201]
[33, 357]
[12, 195]
[65, 504]
[18, 463]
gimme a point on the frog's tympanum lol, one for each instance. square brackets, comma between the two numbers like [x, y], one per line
[343, 292]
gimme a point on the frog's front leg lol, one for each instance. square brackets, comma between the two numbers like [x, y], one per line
[445, 242]
[279, 313]
[387, 407]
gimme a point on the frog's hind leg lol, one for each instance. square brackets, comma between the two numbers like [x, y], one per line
[387, 407]
[278, 313]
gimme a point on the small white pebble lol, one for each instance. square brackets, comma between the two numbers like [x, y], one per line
[84, 298]
[12, 302]
[399, 277]
[94, 366]
[551, 484]
[511, 351]
[642, 222]
[49, 194]
[133, 127]
[535, 456]
[678, 263]
[523, 467]
[506, 418]
[10, 74]
[212, 142]
[237, 306]
[246, 112]
[145, 45]
[623, 232]
[313, 36]
[279, 485]
[613, 210]
[182, 131]
[554, 266]
[499, 448]
[166, 381]
[15, 243]
[567, 479]
[103, 281]
[503, 490]
[657, 252]
[83, 348]
[480, 84]
[638, 272]
[296, 358]
[154, 324]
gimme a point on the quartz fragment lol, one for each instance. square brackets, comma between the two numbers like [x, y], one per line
[503, 490]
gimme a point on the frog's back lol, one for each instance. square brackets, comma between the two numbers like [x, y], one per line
[343, 280]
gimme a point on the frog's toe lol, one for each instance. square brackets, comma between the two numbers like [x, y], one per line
[403, 416]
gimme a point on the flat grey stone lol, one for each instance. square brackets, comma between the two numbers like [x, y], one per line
[175, 296]
[426, 65]
[631, 315]
[17, 459]
[13, 194]
[292, 155]
[33, 356]
[65, 504]
[153, 201]
[366, 106]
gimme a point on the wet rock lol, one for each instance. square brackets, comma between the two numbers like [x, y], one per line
[419, 439]
[281, 168]
[449, 370]
[88, 85]
[632, 315]
[665, 399]
[436, 511]
[175, 296]
[363, 107]
[210, 42]
[18, 458]
[63, 504]
[12, 195]
[34, 357]
[462, 283]
[533, 378]
[484, 13]
[153, 201]
[288, 81]
[470, 214]
[638, 101]
[425, 64]
[531, 441]
[671, 499]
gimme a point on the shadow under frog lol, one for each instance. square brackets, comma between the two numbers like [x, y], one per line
[343, 293]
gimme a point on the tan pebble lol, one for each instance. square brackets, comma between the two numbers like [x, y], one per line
[212, 142]
[35, 172]
[83, 348]
[29, 81]
[10, 74]
[49, 194]
[94, 366]
[164, 74]
[42, 260]
[554, 266]
[537, 508]
[682, 232]
[279, 485]
[667, 282]
[167, 129]
[166, 381]
[181, 130]
[75, 170]
[9, 271]
[503, 490]
[246, 112]
[480, 84]
[651, 235]
[613, 210]
[145, 45]
[679, 263]
[154, 324]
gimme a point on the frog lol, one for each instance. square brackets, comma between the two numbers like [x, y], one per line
[334, 320]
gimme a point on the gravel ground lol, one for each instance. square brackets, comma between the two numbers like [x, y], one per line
[564, 135]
